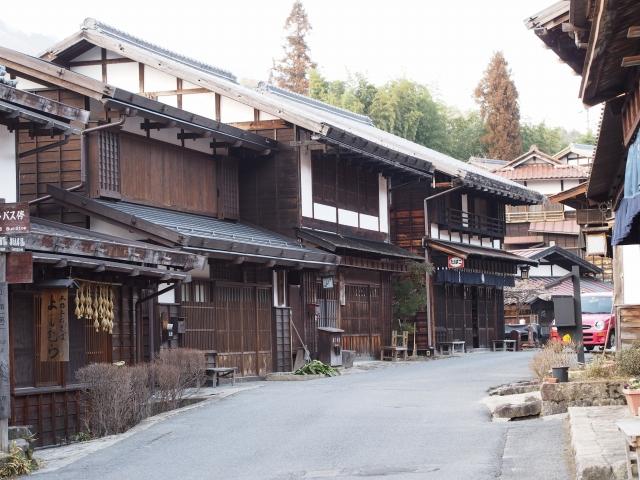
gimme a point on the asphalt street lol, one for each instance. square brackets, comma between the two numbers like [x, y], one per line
[421, 420]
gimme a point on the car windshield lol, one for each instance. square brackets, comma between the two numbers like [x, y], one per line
[593, 304]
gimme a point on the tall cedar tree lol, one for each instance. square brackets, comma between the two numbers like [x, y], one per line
[498, 99]
[291, 72]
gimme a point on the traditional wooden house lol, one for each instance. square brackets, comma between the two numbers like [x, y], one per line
[65, 268]
[329, 183]
[149, 171]
[598, 40]
[548, 223]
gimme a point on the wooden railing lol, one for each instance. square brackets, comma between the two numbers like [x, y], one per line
[587, 216]
[535, 213]
[472, 222]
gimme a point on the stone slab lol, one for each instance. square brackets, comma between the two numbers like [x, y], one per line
[506, 407]
[558, 397]
[597, 444]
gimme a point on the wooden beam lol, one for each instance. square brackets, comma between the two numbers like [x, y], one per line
[261, 125]
[633, 32]
[44, 72]
[43, 104]
[178, 91]
[106, 61]
[632, 61]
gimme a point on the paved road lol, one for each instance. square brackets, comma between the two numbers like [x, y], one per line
[411, 421]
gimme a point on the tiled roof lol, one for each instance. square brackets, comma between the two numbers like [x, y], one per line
[490, 164]
[558, 256]
[203, 226]
[564, 286]
[567, 227]
[334, 241]
[465, 250]
[544, 172]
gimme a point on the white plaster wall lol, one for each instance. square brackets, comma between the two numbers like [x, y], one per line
[91, 54]
[93, 71]
[631, 274]
[546, 187]
[124, 75]
[232, 111]
[383, 203]
[570, 184]
[347, 217]
[540, 271]
[369, 222]
[157, 81]
[200, 103]
[306, 183]
[325, 212]
[169, 135]
[166, 297]
[7, 165]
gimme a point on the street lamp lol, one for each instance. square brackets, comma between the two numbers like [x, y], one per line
[524, 272]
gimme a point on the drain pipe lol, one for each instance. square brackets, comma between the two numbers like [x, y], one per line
[83, 154]
[428, 280]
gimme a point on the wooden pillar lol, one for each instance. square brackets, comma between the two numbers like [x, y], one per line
[577, 311]
[5, 385]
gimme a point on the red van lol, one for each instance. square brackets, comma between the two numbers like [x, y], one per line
[597, 316]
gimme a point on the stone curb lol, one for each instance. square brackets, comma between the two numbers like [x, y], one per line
[597, 444]
[290, 377]
[54, 458]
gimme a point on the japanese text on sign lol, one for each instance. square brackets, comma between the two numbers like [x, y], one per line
[54, 329]
[14, 218]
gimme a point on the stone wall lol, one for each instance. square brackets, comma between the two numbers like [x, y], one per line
[558, 397]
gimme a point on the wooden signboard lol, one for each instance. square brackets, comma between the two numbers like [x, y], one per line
[455, 262]
[14, 218]
[20, 267]
[54, 326]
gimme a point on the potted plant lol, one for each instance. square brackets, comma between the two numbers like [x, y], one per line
[631, 392]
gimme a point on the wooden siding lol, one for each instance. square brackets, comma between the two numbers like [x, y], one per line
[629, 321]
[235, 320]
[58, 166]
[269, 189]
[163, 175]
[228, 188]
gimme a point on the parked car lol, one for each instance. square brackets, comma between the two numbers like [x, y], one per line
[597, 318]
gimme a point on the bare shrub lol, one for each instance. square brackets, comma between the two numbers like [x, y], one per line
[600, 367]
[175, 371]
[117, 397]
[628, 361]
[553, 354]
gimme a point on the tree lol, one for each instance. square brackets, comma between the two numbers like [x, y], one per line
[548, 140]
[464, 134]
[498, 99]
[409, 291]
[291, 72]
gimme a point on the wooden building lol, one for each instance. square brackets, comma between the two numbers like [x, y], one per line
[330, 183]
[63, 264]
[151, 172]
[598, 40]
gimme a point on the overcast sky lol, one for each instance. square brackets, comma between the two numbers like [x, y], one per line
[445, 45]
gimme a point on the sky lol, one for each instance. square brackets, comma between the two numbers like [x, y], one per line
[445, 45]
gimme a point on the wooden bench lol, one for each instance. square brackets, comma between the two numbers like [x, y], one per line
[214, 372]
[222, 372]
[630, 428]
[399, 345]
[507, 345]
[451, 347]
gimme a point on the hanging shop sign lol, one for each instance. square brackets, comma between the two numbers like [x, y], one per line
[20, 267]
[54, 326]
[455, 262]
[327, 282]
[14, 218]
[95, 301]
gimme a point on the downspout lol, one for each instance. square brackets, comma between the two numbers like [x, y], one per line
[428, 279]
[83, 154]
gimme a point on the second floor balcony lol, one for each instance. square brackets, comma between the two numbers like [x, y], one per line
[475, 223]
[535, 213]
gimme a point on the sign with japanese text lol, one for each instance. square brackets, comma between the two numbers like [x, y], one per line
[14, 218]
[12, 244]
[455, 262]
[54, 326]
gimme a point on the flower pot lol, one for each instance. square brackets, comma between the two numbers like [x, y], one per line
[550, 380]
[561, 373]
[633, 400]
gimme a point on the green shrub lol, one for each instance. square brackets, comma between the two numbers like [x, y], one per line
[628, 361]
[316, 367]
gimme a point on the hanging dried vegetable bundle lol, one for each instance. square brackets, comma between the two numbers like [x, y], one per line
[96, 303]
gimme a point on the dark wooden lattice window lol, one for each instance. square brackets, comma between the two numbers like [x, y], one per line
[323, 173]
[228, 204]
[109, 164]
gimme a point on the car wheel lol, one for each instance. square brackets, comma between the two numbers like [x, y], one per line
[612, 339]
[588, 348]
